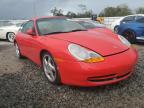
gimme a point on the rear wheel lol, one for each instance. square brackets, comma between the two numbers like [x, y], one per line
[130, 36]
[10, 36]
[50, 69]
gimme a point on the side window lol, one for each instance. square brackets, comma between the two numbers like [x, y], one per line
[129, 18]
[139, 17]
[141, 20]
[20, 28]
[26, 26]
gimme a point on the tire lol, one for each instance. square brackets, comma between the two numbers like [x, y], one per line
[50, 69]
[130, 36]
[18, 53]
[10, 36]
[116, 29]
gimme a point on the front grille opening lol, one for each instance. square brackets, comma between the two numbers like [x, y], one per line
[102, 78]
[123, 75]
[109, 77]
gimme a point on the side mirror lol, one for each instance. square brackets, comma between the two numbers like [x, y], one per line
[30, 32]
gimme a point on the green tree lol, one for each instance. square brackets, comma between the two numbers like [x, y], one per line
[71, 14]
[84, 11]
[57, 12]
[120, 10]
[86, 14]
[140, 10]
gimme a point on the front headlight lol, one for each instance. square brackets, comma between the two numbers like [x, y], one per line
[83, 54]
[124, 40]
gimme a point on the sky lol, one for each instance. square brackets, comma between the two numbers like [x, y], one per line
[27, 9]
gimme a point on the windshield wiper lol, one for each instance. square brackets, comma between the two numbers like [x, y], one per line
[78, 30]
[54, 33]
[65, 31]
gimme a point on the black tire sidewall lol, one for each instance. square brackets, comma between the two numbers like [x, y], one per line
[7, 36]
[20, 55]
[133, 39]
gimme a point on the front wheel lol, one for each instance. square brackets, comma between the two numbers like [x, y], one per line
[17, 50]
[50, 69]
[116, 29]
[130, 36]
[10, 36]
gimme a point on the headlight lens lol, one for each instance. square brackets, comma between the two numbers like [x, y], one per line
[83, 54]
[124, 40]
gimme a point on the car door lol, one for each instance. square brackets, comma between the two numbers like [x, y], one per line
[30, 43]
[25, 39]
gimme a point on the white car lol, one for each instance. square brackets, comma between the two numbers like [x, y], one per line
[115, 25]
[8, 32]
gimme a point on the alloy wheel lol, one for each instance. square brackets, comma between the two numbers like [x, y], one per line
[10, 37]
[17, 50]
[49, 68]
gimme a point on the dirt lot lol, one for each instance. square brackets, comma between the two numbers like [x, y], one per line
[23, 85]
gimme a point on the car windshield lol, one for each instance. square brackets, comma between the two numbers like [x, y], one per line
[57, 25]
[18, 24]
[90, 25]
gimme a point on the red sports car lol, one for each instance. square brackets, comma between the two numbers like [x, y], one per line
[72, 55]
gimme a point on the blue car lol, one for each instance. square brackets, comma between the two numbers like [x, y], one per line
[133, 31]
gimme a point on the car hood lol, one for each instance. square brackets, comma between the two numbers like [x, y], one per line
[96, 41]
[102, 30]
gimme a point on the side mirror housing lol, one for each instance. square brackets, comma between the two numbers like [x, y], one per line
[31, 32]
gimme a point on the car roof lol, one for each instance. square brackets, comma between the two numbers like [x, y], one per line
[135, 15]
[37, 18]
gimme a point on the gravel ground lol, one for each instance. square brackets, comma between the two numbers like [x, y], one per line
[23, 85]
[8, 62]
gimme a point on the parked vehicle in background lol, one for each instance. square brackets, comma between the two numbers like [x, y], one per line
[90, 23]
[71, 54]
[8, 31]
[133, 31]
[115, 25]
[94, 26]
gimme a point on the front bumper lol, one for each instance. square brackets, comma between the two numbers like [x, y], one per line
[114, 69]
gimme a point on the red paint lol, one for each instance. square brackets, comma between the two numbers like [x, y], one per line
[120, 61]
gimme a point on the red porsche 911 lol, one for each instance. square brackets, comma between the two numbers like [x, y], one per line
[72, 55]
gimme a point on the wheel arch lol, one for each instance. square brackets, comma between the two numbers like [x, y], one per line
[41, 53]
[8, 33]
[58, 81]
[116, 26]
